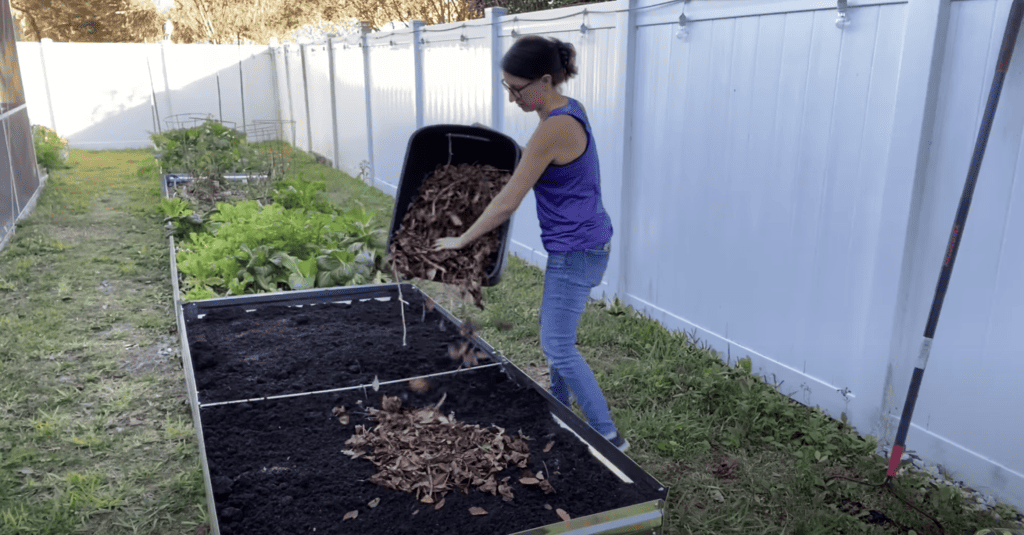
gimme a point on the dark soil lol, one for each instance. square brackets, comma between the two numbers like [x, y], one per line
[278, 350]
[277, 466]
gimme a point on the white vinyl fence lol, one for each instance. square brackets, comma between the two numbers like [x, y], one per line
[781, 185]
[114, 95]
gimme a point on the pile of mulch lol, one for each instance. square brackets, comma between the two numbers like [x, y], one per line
[425, 453]
[449, 201]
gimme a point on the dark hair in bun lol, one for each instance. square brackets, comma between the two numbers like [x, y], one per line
[533, 56]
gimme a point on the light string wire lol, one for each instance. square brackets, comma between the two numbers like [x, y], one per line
[516, 18]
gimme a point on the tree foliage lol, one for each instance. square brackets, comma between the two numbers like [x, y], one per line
[95, 21]
[381, 12]
[233, 21]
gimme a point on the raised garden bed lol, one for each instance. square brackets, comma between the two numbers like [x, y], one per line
[272, 449]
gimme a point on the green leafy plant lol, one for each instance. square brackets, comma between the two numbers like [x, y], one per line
[252, 248]
[210, 150]
[208, 153]
[304, 194]
[51, 149]
[180, 219]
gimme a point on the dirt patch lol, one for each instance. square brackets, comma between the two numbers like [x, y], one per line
[160, 358]
[538, 373]
[725, 470]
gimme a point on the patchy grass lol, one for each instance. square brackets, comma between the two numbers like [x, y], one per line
[96, 437]
[93, 416]
[737, 455]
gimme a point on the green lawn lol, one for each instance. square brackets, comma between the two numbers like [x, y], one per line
[96, 436]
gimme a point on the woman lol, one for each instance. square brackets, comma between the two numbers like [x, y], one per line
[560, 164]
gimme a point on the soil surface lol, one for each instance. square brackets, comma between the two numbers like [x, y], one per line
[277, 350]
[277, 467]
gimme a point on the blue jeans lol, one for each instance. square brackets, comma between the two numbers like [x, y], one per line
[568, 279]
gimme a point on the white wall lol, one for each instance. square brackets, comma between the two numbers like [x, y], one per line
[350, 100]
[970, 396]
[319, 90]
[297, 88]
[393, 104]
[101, 94]
[781, 186]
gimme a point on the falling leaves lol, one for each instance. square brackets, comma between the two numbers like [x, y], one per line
[449, 200]
[351, 515]
[477, 511]
[340, 413]
[562, 514]
[547, 447]
[463, 352]
[428, 454]
[374, 503]
[419, 384]
[469, 329]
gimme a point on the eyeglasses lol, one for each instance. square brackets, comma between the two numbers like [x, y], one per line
[517, 91]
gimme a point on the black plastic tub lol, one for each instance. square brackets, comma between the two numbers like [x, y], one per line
[435, 145]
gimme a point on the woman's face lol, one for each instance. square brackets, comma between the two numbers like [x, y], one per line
[526, 93]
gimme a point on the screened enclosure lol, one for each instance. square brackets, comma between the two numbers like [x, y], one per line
[19, 174]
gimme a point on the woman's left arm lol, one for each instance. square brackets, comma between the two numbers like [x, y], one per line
[540, 151]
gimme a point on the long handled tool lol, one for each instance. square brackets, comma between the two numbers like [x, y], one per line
[1002, 65]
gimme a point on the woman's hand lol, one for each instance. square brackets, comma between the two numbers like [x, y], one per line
[448, 243]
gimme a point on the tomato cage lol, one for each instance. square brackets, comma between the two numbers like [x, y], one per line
[268, 137]
[197, 145]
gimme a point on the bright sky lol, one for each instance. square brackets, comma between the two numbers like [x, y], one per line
[164, 4]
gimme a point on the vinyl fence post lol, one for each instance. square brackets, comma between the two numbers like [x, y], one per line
[417, 51]
[272, 51]
[167, 79]
[367, 89]
[241, 86]
[305, 89]
[286, 51]
[334, 104]
[622, 87]
[923, 55]
[493, 16]
[44, 46]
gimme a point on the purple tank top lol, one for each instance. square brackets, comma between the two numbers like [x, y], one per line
[569, 207]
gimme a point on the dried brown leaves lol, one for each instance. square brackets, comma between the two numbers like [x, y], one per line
[449, 201]
[427, 454]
